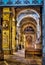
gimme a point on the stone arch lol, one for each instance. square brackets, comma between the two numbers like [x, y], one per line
[27, 25]
[33, 14]
[26, 22]
[27, 13]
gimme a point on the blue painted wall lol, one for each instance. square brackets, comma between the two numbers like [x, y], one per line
[43, 26]
[20, 2]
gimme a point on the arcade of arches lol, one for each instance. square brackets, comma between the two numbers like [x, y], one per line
[21, 30]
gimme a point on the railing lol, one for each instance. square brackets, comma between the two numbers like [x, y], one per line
[20, 2]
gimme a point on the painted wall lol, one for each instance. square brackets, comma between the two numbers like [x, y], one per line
[43, 26]
[20, 2]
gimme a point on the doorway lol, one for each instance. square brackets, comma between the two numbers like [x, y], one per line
[22, 31]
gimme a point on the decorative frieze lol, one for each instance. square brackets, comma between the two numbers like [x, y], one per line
[20, 2]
